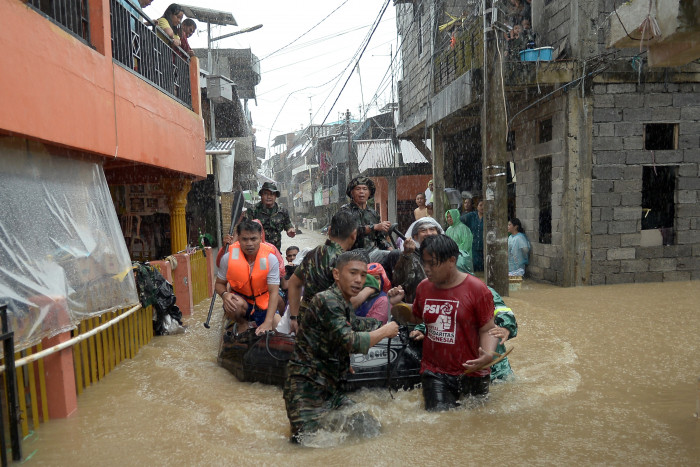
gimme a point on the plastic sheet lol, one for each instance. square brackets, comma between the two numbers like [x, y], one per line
[63, 253]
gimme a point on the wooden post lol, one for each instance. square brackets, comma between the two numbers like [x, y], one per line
[493, 144]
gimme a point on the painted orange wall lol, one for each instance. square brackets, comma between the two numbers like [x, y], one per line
[407, 187]
[56, 89]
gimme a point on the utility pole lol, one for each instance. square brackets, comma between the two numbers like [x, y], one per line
[493, 144]
[353, 169]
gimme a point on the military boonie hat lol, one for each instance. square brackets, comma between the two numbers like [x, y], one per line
[269, 186]
[360, 181]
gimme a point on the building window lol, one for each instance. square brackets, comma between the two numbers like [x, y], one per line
[544, 130]
[419, 20]
[660, 136]
[658, 191]
[544, 196]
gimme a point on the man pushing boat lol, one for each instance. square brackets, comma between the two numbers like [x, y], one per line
[328, 333]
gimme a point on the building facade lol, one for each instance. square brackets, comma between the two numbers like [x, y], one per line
[601, 147]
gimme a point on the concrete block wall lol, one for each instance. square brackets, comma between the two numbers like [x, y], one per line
[416, 68]
[620, 112]
[545, 259]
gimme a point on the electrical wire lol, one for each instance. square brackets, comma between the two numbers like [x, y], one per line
[305, 33]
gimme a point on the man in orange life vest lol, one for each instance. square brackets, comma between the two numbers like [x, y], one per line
[248, 280]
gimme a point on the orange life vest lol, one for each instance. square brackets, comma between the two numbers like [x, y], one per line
[251, 285]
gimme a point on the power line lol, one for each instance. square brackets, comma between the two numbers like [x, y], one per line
[308, 31]
[381, 13]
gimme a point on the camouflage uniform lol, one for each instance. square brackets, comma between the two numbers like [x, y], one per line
[366, 217]
[329, 332]
[316, 271]
[274, 220]
[505, 319]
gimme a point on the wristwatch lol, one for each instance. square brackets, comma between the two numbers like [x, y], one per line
[293, 318]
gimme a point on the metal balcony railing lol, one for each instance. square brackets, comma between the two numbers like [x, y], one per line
[137, 46]
[458, 52]
[71, 14]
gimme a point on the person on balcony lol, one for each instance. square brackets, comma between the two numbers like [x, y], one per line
[274, 218]
[251, 271]
[169, 24]
[186, 31]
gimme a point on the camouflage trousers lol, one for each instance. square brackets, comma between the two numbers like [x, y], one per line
[311, 407]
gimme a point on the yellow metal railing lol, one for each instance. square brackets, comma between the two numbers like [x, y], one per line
[98, 355]
[93, 359]
[200, 286]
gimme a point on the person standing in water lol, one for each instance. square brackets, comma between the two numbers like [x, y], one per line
[328, 333]
[458, 312]
[475, 221]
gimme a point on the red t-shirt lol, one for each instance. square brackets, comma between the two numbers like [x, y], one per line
[452, 319]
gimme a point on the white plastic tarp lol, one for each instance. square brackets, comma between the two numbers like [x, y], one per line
[224, 170]
[63, 253]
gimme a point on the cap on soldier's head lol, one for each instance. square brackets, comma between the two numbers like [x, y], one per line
[270, 186]
[360, 181]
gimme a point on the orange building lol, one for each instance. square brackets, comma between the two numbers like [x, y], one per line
[101, 137]
[103, 86]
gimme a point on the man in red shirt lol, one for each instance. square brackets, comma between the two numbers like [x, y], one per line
[457, 309]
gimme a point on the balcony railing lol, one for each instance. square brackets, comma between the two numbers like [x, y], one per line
[460, 55]
[137, 46]
[71, 14]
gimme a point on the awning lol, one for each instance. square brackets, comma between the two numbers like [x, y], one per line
[207, 15]
[263, 178]
[220, 147]
[303, 168]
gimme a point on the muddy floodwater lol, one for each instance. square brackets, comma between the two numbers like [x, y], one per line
[605, 375]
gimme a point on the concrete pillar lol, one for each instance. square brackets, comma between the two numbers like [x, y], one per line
[391, 199]
[575, 225]
[61, 394]
[182, 283]
[177, 190]
[438, 147]
[195, 90]
[100, 27]
[165, 269]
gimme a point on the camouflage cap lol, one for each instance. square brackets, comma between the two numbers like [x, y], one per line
[360, 181]
[270, 186]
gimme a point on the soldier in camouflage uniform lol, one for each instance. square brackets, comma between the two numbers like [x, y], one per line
[371, 231]
[274, 218]
[315, 273]
[329, 332]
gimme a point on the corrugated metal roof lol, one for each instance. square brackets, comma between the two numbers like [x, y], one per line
[383, 153]
[218, 146]
[207, 15]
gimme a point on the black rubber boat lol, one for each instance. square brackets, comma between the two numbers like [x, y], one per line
[391, 363]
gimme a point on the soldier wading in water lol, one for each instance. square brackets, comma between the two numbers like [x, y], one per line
[328, 333]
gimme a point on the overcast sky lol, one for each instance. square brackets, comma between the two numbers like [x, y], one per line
[312, 62]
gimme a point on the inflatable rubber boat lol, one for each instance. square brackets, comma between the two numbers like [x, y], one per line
[393, 363]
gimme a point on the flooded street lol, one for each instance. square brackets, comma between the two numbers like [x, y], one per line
[605, 375]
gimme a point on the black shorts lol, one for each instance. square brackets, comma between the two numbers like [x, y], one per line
[442, 391]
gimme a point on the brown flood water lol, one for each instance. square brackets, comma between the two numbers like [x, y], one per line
[606, 375]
